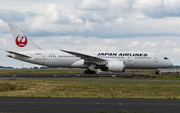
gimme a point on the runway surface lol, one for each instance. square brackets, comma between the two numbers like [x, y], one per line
[86, 79]
[75, 105]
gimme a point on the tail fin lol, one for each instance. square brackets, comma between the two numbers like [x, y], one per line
[22, 42]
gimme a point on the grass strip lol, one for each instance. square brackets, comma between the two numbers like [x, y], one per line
[90, 89]
[169, 76]
[42, 70]
[125, 111]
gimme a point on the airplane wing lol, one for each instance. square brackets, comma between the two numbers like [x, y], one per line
[17, 53]
[86, 57]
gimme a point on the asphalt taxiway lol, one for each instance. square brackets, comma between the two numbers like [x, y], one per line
[78, 105]
[85, 79]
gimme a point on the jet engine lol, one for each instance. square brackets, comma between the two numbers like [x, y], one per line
[115, 66]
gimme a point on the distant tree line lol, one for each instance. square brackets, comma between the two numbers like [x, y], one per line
[173, 67]
[2, 67]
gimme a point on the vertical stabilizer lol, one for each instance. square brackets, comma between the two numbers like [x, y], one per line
[22, 42]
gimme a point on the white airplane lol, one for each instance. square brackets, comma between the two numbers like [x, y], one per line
[105, 60]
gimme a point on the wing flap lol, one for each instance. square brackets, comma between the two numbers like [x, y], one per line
[86, 57]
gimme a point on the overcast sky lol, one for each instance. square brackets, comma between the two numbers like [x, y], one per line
[128, 25]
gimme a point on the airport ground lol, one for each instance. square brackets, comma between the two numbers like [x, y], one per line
[59, 83]
[74, 70]
[87, 105]
[90, 89]
[145, 89]
[129, 73]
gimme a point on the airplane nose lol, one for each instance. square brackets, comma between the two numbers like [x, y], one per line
[170, 64]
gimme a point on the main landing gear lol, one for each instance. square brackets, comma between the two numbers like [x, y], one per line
[90, 69]
[89, 72]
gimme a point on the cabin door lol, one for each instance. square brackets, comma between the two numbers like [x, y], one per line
[155, 58]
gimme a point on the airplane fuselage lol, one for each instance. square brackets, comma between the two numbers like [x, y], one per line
[58, 58]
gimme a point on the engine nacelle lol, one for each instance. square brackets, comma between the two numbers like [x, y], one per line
[116, 66]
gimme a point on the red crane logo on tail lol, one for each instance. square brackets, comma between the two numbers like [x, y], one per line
[21, 40]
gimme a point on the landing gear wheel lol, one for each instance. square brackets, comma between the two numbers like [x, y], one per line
[86, 72]
[158, 71]
[89, 72]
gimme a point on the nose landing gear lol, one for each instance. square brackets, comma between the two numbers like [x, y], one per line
[158, 71]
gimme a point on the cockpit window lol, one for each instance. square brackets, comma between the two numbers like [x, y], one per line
[165, 58]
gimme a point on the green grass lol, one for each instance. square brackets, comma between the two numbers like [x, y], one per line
[125, 111]
[61, 70]
[90, 89]
[160, 77]
[6, 86]
[42, 71]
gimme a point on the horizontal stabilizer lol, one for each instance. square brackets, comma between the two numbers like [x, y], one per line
[17, 53]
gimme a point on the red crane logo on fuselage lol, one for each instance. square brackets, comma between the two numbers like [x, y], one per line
[21, 40]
